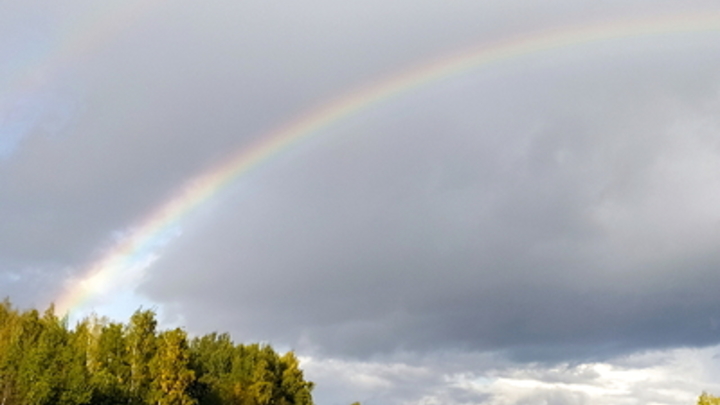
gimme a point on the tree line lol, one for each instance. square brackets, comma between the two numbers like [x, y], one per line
[98, 362]
[707, 399]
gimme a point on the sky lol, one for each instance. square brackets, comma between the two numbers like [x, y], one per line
[430, 202]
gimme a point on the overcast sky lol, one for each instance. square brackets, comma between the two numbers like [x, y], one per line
[539, 230]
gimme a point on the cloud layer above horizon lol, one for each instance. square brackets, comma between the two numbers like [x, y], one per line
[551, 210]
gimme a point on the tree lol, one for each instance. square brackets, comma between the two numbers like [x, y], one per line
[212, 360]
[111, 366]
[43, 362]
[707, 399]
[141, 345]
[294, 389]
[172, 377]
[10, 354]
[37, 375]
[75, 388]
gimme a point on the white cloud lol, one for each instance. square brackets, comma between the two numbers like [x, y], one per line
[664, 377]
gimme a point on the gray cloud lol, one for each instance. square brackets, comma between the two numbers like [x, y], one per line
[560, 225]
[559, 206]
[668, 377]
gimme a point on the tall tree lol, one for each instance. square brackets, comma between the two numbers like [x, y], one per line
[111, 364]
[9, 352]
[141, 344]
[75, 388]
[294, 390]
[100, 362]
[42, 366]
[172, 377]
[707, 399]
[30, 356]
[212, 359]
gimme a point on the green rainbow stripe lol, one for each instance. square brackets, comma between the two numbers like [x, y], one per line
[135, 248]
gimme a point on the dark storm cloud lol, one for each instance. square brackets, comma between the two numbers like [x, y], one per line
[166, 99]
[562, 205]
[543, 213]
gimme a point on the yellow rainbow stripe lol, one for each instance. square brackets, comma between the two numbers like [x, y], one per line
[116, 261]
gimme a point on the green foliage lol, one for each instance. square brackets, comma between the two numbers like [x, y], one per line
[109, 363]
[141, 344]
[44, 362]
[707, 399]
[172, 376]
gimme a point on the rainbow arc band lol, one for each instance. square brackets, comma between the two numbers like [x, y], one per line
[202, 188]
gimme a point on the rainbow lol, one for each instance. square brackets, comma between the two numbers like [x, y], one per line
[160, 223]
